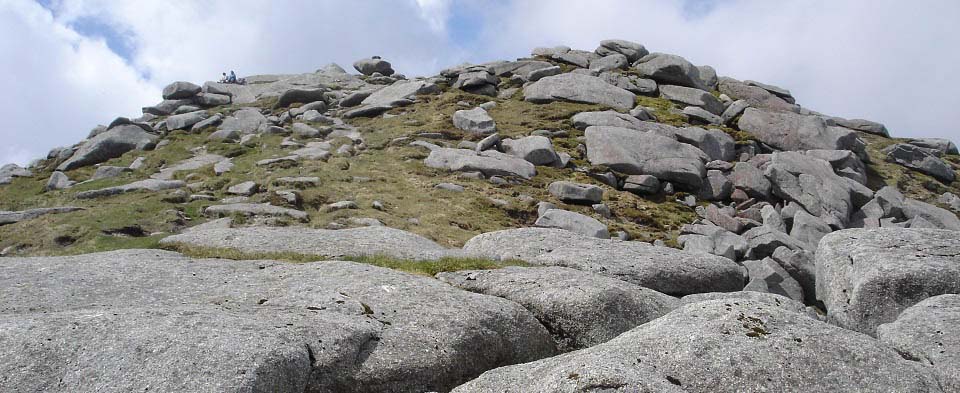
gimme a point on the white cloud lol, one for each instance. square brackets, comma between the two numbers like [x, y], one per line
[58, 84]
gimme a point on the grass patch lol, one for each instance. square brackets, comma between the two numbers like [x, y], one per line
[420, 267]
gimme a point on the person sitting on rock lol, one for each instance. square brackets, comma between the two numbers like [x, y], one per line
[232, 78]
[224, 79]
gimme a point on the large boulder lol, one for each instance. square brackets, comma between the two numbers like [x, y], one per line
[490, 163]
[725, 345]
[536, 149]
[687, 96]
[583, 120]
[475, 121]
[401, 93]
[790, 131]
[929, 332]
[573, 222]
[863, 125]
[936, 146]
[662, 269]
[921, 160]
[110, 144]
[244, 121]
[600, 309]
[373, 65]
[812, 183]
[867, 277]
[715, 143]
[180, 90]
[570, 192]
[185, 120]
[635, 152]
[578, 88]
[155, 320]
[300, 96]
[10, 171]
[754, 96]
[323, 243]
[751, 180]
[632, 50]
[670, 69]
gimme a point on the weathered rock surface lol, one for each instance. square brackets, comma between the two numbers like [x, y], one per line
[189, 164]
[110, 144]
[142, 185]
[637, 153]
[867, 277]
[790, 131]
[754, 96]
[255, 210]
[688, 96]
[535, 149]
[490, 163]
[670, 69]
[598, 310]
[373, 65]
[10, 171]
[929, 332]
[583, 120]
[761, 297]
[863, 125]
[128, 320]
[332, 244]
[662, 269]
[578, 88]
[475, 121]
[243, 121]
[8, 217]
[574, 222]
[180, 90]
[185, 120]
[724, 345]
[570, 192]
[632, 50]
[917, 158]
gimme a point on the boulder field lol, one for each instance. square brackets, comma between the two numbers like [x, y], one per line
[607, 220]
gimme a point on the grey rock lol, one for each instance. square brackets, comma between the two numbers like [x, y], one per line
[768, 276]
[108, 145]
[490, 163]
[808, 229]
[583, 120]
[775, 90]
[246, 188]
[142, 185]
[535, 149]
[449, 187]
[209, 122]
[608, 63]
[255, 210]
[323, 243]
[475, 121]
[302, 182]
[373, 65]
[13, 217]
[928, 332]
[285, 162]
[724, 345]
[632, 50]
[867, 277]
[354, 99]
[709, 76]
[313, 151]
[662, 269]
[863, 125]
[756, 97]
[789, 131]
[643, 114]
[10, 171]
[224, 136]
[244, 121]
[701, 116]
[541, 73]
[249, 327]
[569, 192]
[812, 183]
[754, 296]
[180, 90]
[108, 172]
[950, 200]
[58, 181]
[305, 131]
[166, 107]
[919, 159]
[578, 88]
[763, 242]
[687, 96]
[641, 184]
[716, 186]
[669, 69]
[636, 153]
[574, 222]
[542, 207]
[399, 94]
[751, 180]
[801, 265]
[211, 99]
[190, 164]
[600, 309]
[938, 217]
[735, 109]
[715, 143]
[936, 146]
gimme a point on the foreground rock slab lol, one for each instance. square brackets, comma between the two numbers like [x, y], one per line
[662, 269]
[152, 320]
[726, 345]
[598, 310]
[929, 332]
[867, 277]
[366, 241]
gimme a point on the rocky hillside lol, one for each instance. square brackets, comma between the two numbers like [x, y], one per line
[577, 221]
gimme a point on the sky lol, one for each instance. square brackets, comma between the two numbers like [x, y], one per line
[68, 65]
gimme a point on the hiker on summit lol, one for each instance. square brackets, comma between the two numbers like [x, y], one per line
[232, 78]
[224, 79]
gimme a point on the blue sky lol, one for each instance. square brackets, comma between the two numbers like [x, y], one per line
[79, 63]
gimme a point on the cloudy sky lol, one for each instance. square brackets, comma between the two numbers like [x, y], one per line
[68, 65]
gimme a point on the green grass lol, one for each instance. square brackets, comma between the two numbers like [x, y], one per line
[421, 267]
